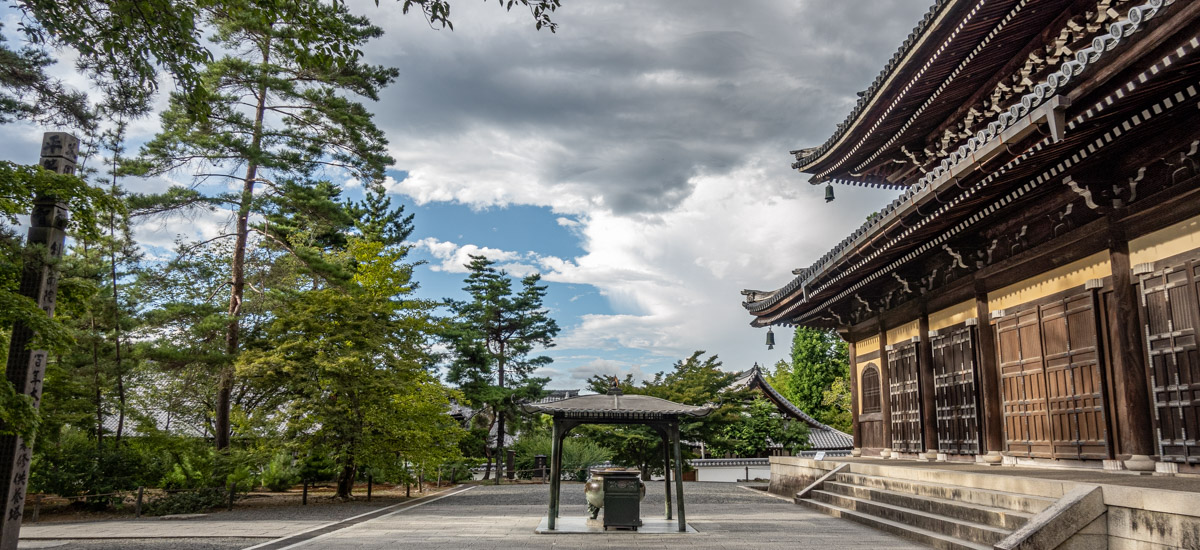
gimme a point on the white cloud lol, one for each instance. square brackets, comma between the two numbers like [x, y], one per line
[675, 276]
[454, 257]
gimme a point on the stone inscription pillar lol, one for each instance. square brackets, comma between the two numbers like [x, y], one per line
[26, 367]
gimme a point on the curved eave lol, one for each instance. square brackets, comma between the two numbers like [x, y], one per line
[876, 241]
[919, 36]
[969, 47]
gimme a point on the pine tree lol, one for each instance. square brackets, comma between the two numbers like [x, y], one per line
[351, 361]
[280, 112]
[492, 337]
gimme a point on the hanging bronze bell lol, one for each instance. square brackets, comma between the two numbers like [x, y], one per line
[829, 192]
[770, 339]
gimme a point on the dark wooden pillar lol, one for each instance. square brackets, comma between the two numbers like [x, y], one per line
[555, 473]
[885, 393]
[925, 372]
[1135, 427]
[990, 393]
[666, 439]
[855, 429]
[679, 477]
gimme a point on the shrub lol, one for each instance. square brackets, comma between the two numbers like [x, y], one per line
[185, 502]
[281, 473]
[183, 475]
[579, 454]
[316, 467]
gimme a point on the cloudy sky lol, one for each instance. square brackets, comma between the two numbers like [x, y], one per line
[637, 159]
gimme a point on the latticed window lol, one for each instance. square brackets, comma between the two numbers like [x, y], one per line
[870, 390]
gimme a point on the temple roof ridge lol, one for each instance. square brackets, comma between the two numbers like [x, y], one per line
[807, 156]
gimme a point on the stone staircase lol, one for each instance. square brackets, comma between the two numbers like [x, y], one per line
[941, 515]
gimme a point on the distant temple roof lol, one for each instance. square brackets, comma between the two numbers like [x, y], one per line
[557, 395]
[821, 437]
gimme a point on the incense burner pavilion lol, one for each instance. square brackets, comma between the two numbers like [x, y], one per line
[1030, 296]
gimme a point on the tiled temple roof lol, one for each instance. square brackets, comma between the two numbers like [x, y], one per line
[821, 437]
[805, 157]
[830, 268]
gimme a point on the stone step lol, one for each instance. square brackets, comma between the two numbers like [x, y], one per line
[1003, 518]
[925, 536]
[986, 497]
[950, 526]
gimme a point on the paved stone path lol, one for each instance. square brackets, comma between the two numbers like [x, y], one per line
[488, 516]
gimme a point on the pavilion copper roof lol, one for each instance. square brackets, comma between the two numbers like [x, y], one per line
[617, 407]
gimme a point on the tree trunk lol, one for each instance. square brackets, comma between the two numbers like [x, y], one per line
[96, 383]
[238, 269]
[112, 259]
[500, 421]
[96, 374]
[345, 484]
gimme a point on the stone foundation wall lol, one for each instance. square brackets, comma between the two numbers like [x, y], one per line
[1135, 529]
[790, 474]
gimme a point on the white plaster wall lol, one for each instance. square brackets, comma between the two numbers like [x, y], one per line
[731, 474]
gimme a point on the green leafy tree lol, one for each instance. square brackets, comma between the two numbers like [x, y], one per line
[837, 401]
[19, 186]
[493, 336]
[579, 454]
[760, 428]
[128, 42]
[696, 380]
[351, 360]
[818, 358]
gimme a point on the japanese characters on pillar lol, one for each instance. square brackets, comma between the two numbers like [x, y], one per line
[26, 367]
[60, 151]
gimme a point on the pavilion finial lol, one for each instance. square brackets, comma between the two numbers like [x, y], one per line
[615, 388]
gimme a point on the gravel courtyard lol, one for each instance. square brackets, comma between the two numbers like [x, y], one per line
[487, 516]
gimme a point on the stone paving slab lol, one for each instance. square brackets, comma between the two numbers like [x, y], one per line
[724, 515]
[165, 528]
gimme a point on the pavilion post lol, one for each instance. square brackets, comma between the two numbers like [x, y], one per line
[555, 474]
[679, 478]
[562, 438]
[666, 437]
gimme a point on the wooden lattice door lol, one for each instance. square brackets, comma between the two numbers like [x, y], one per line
[1169, 309]
[1023, 385]
[955, 394]
[1074, 378]
[905, 398]
[1053, 384]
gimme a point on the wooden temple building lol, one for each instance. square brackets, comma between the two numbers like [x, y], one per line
[1031, 294]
